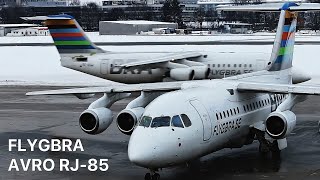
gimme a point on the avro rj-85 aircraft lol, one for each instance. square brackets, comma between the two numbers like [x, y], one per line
[174, 123]
[79, 53]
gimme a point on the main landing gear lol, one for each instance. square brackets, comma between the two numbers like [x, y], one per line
[152, 176]
[267, 146]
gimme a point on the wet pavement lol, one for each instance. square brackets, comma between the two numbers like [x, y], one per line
[54, 117]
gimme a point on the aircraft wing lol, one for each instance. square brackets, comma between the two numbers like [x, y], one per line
[174, 57]
[162, 86]
[271, 7]
[278, 88]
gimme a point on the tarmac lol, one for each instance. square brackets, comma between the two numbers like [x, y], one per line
[23, 117]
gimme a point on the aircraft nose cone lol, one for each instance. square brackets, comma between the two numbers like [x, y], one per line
[139, 156]
[141, 150]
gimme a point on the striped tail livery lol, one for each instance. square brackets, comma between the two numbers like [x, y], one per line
[282, 52]
[68, 35]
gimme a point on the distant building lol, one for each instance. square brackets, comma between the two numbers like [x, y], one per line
[44, 3]
[131, 27]
[9, 2]
[7, 28]
[237, 28]
[31, 31]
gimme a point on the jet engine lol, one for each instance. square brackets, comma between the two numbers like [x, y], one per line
[95, 121]
[280, 124]
[201, 72]
[182, 74]
[127, 119]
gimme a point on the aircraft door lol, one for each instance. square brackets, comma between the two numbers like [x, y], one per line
[206, 122]
[104, 67]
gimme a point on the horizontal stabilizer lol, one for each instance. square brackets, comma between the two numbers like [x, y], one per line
[43, 18]
[272, 7]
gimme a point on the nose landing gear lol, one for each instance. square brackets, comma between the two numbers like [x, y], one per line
[152, 176]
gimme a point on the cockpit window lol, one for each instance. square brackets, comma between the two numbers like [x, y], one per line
[186, 120]
[161, 121]
[145, 121]
[176, 121]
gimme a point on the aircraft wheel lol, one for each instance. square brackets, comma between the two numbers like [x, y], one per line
[156, 176]
[148, 177]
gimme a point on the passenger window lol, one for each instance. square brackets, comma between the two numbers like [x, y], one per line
[228, 113]
[218, 65]
[239, 65]
[220, 116]
[234, 65]
[217, 116]
[244, 108]
[254, 107]
[224, 114]
[223, 65]
[251, 107]
[213, 65]
[161, 121]
[250, 65]
[234, 110]
[245, 65]
[176, 121]
[145, 121]
[248, 107]
[186, 120]
[259, 103]
[228, 65]
[238, 109]
[231, 112]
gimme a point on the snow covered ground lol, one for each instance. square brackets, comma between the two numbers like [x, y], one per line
[41, 65]
[95, 37]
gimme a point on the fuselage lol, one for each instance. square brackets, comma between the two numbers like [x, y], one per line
[219, 119]
[107, 65]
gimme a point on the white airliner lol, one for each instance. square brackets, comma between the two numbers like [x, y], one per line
[173, 123]
[79, 53]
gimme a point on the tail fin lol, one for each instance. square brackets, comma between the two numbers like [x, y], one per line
[68, 36]
[282, 52]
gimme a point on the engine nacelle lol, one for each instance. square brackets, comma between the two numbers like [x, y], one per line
[182, 74]
[280, 124]
[201, 72]
[127, 119]
[95, 121]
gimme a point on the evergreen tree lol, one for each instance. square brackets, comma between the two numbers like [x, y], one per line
[171, 12]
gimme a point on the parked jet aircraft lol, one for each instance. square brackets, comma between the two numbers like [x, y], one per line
[175, 122]
[79, 53]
